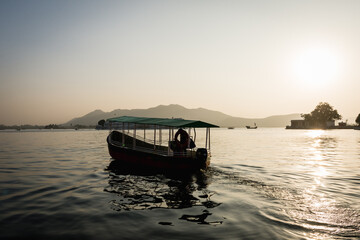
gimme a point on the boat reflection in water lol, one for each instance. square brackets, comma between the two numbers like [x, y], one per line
[138, 189]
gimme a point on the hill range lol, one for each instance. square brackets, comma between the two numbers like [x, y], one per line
[177, 111]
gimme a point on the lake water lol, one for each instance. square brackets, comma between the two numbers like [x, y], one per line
[261, 184]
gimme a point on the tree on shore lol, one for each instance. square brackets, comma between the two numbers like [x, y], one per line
[322, 113]
[52, 126]
[358, 119]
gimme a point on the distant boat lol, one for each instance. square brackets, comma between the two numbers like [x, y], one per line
[178, 154]
[254, 127]
[230, 127]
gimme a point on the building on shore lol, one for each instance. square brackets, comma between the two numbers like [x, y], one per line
[303, 124]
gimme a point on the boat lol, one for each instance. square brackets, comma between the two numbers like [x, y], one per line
[178, 153]
[254, 127]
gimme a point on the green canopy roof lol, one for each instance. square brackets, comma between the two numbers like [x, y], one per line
[168, 122]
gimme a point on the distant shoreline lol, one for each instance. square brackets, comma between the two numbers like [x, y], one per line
[329, 128]
[24, 127]
[46, 127]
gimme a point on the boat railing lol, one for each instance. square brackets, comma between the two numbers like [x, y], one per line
[150, 141]
[147, 140]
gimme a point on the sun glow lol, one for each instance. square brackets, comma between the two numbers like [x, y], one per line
[316, 67]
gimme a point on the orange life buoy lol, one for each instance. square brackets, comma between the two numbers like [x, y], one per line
[183, 143]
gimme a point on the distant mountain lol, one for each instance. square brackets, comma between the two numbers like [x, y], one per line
[272, 121]
[178, 111]
[91, 118]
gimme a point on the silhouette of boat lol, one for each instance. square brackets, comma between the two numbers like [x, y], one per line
[254, 127]
[178, 153]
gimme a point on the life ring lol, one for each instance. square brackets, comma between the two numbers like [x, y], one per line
[183, 143]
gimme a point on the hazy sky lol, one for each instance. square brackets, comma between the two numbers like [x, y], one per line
[63, 59]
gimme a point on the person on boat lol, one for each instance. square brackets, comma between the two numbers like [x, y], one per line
[183, 142]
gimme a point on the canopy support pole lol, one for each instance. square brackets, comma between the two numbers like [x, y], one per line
[144, 133]
[154, 137]
[206, 140]
[160, 137]
[134, 139]
[209, 141]
[188, 146]
[123, 136]
[169, 142]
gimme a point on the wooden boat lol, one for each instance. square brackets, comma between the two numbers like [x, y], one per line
[254, 127]
[178, 153]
